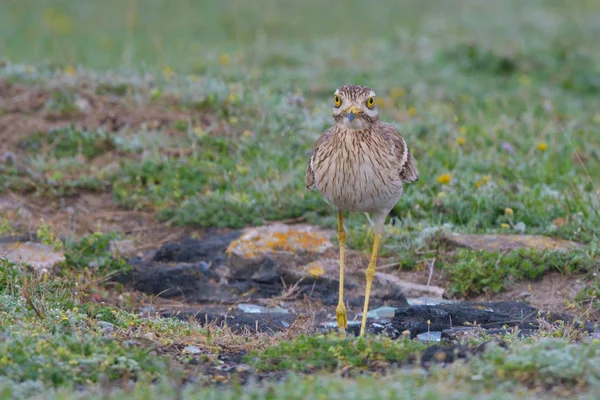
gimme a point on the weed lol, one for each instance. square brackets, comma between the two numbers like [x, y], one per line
[94, 251]
[315, 353]
[473, 272]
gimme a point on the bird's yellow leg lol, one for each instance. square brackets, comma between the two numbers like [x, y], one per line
[370, 273]
[340, 311]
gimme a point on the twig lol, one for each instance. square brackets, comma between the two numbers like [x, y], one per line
[430, 271]
[39, 312]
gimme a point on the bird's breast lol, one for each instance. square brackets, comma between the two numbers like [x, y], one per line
[356, 177]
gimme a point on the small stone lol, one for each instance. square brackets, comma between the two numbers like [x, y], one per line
[493, 242]
[83, 105]
[191, 350]
[39, 256]
[520, 227]
[382, 312]
[242, 368]
[122, 247]
[428, 301]
[256, 309]
[252, 308]
[430, 336]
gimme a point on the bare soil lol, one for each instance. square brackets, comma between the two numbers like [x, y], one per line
[23, 112]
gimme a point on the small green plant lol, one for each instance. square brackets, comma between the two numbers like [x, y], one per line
[71, 142]
[46, 235]
[328, 352]
[473, 272]
[94, 252]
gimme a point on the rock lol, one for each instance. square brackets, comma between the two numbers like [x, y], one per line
[39, 256]
[236, 319]
[407, 288]
[430, 336]
[256, 309]
[499, 242]
[191, 350]
[428, 301]
[259, 252]
[83, 105]
[195, 282]
[382, 313]
[210, 249]
[418, 319]
[122, 247]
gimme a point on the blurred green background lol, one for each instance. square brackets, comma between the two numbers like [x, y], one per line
[184, 33]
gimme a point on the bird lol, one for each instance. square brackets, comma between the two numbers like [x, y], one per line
[360, 164]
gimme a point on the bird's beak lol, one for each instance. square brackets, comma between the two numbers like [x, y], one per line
[352, 112]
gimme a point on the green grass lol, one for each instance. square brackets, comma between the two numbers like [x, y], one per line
[316, 353]
[462, 95]
[473, 272]
[561, 369]
[50, 339]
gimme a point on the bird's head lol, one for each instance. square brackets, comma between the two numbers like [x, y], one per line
[354, 107]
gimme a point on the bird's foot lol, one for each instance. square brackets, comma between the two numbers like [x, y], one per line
[342, 318]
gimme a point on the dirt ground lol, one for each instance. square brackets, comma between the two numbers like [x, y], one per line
[24, 113]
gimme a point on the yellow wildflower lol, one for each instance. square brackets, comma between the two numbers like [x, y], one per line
[525, 80]
[199, 131]
[461, 140]
[224, 59]
[482, 181]
[242, 169]
[444, 179]
[397, 93]
[412, 111]
[247, 133]
[504, 226]
[69, 70]
[168, 72]
[57, 22]
[508, 212]
[542, 146]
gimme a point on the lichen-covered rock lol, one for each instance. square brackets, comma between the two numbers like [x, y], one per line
[39, 256]
[259, 252]
[500, 242]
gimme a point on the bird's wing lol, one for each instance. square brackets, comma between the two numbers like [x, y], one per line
[407, 167]
[310, 174]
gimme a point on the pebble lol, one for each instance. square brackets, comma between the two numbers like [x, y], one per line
[434, 336]
[192, 350]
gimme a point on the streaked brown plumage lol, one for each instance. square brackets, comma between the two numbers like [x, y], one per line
[360, 164]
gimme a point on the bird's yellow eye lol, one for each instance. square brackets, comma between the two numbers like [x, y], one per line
[371, 102]
[337, 101]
